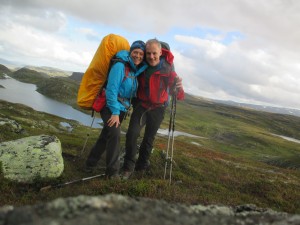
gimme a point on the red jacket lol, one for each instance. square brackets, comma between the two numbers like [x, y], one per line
[154, 92]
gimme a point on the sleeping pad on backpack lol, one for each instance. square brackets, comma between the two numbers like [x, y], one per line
[96, 74]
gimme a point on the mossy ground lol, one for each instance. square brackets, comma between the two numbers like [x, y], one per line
[236, 159]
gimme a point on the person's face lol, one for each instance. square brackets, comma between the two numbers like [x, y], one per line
[137, 56]
[153, 52]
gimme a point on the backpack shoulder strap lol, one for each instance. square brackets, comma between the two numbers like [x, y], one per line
[113, 61]
[127, 70]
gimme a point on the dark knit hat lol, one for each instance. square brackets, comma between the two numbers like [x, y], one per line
[138, 44]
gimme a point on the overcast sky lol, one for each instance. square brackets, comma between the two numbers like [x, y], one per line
[241, 50]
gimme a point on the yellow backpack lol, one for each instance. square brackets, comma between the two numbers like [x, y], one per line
[96, 74]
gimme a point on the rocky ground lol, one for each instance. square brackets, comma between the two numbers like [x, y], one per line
[114, 209]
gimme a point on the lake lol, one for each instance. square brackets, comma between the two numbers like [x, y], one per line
[288, 138]
[18, 92]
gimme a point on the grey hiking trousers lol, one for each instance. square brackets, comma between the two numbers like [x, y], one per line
[151, 120]
[109, 141]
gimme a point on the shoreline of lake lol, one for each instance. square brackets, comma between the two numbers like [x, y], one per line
[19, 92]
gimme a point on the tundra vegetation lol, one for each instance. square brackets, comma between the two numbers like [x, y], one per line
[236, 158]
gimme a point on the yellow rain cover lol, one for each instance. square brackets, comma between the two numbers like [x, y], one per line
[96, 74]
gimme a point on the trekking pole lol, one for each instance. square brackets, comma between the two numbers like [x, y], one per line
[70, 182]
[169, 159]
[86, 139]
[173, 139]
[169, 138]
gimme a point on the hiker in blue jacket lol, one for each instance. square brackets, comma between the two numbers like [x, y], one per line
[121, 88]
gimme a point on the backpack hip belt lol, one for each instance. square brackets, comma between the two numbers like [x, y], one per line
[123, 102]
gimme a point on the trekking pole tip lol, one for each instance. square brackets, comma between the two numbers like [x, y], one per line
[45, 188]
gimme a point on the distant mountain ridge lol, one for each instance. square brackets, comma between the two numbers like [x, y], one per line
[50, 71]
[10, 64]
[271, 109]
[4, 69]
[77, 76]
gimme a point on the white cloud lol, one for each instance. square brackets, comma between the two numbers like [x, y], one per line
[44, 20]
[244, 50]
[237, 72]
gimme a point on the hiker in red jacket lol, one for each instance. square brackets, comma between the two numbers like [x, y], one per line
[155, 84]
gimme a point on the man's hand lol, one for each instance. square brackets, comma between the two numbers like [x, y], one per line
[178, 84]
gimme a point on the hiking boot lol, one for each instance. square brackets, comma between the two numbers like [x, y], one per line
[89, 169]
[142, 166]
[125, 175]
[141, 170]
[115, 177]
[139, 174]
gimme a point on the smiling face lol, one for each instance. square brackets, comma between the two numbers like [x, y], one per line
[153, 52]
[137, 56]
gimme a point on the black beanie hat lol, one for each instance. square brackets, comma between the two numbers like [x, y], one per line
[138, 44]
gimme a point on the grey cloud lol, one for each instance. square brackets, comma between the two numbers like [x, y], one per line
[277, 21]
[262, 66]
[47, 20]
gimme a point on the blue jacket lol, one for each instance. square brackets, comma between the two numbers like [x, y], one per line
[117, 86]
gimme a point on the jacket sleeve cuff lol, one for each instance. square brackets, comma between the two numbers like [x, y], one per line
[180, 94]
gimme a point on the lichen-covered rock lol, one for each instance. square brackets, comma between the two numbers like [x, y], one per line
[31, 158]
[12, 125]
[117, 209]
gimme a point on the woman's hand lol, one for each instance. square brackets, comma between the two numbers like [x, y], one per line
[114, 119]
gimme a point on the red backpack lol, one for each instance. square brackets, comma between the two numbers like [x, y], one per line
[100, 100]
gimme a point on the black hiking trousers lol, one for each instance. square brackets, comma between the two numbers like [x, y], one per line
[151, 120]
[109, 141]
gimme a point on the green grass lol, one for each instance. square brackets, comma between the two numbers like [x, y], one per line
[238, 160]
